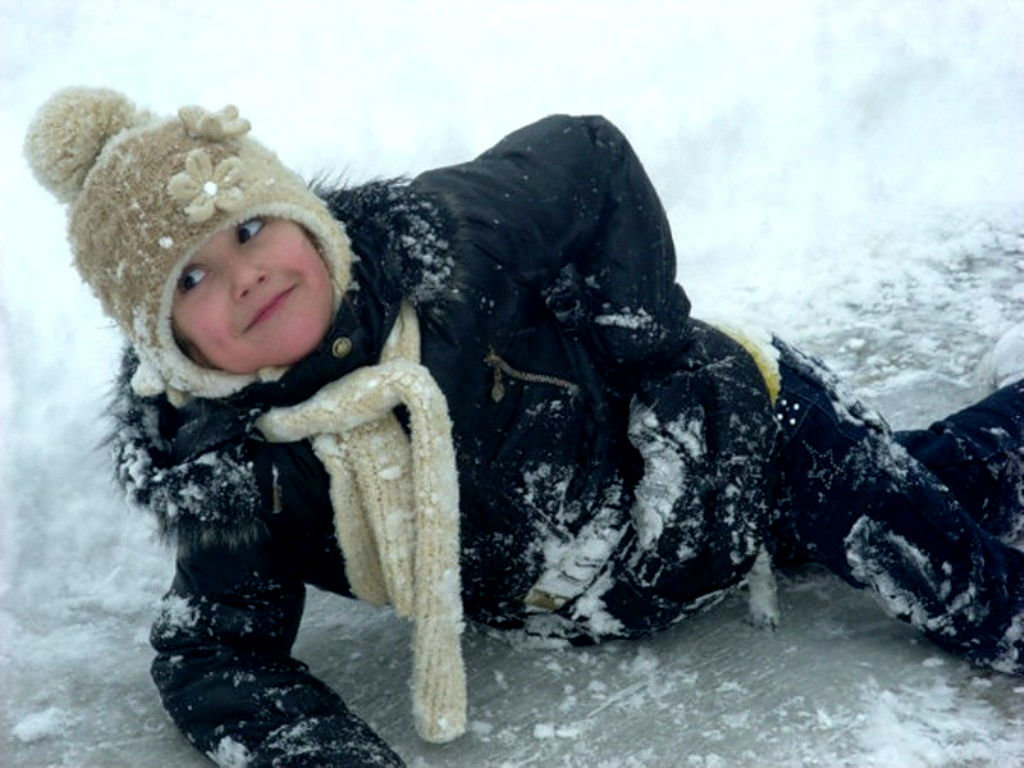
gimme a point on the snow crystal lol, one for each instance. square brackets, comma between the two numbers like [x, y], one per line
[543, 731]
[644, 662]
[242, 678]
[1011, 661]
[40, 725]
[632, 319]
[590, 608]
[763, 597]
[392, 472]
[230, 754]
[544, 485]
[571, 565]
[710, 760]
[178, 612]
[855, 345]
[731, 686]
[423, 245]
[924, 727]
[481, 728]
[550, 731]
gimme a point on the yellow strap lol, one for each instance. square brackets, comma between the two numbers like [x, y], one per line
[763, 355]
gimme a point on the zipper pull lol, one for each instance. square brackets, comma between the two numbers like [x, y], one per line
[498, 389]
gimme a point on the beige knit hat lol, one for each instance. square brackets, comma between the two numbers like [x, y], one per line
[144, 193]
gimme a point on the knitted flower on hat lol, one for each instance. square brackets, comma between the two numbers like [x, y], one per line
[145, 193]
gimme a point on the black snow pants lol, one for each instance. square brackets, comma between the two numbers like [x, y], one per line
[923, 518]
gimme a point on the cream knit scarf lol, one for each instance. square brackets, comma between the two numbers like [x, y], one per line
[396, 508]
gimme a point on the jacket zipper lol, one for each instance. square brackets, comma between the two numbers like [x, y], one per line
[501, 368]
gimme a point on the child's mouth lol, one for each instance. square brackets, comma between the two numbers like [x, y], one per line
[269, 308]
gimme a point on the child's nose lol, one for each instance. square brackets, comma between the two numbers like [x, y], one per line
[246, 275]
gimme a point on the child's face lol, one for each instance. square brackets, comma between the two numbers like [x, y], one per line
[255, 295]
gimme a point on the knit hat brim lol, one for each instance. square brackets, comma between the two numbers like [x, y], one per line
[165, 368]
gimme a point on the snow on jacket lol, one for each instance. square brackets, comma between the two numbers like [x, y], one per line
[612, 452]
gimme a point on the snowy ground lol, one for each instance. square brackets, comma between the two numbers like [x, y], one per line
[849, 174]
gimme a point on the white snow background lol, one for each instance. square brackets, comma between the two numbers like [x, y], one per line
[847, 173]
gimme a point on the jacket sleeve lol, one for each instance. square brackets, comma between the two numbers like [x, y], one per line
[225, 629]
[566, 206]
[224, 671]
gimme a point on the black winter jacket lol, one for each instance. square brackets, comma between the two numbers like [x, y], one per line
[613, 453]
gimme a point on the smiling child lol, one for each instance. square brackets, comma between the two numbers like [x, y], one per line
[477, 395]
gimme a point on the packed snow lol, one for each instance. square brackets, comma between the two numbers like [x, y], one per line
[848, 174]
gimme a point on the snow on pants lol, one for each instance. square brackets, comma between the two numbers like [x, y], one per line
[921, 518]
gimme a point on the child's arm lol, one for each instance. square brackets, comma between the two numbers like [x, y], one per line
[224, 635]
[566, 206]
[225, 674]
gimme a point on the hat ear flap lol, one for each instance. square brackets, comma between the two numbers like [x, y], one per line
[69, 132]
[147, 381]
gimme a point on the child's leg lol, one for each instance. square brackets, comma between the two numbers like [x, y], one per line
[854, 499]
[977, 454]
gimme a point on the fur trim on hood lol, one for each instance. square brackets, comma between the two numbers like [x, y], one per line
[209, 498]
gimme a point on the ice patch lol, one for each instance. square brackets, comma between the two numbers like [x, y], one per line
[550, 731]
[481, 729]
[645, 662]
[40, 725]
[926, 727]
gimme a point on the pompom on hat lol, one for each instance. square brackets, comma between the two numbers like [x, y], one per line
[144, 193]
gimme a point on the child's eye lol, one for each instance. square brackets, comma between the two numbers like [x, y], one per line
[249, 229]
[190, 279]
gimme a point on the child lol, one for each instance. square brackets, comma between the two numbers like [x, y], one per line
[477, 393]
